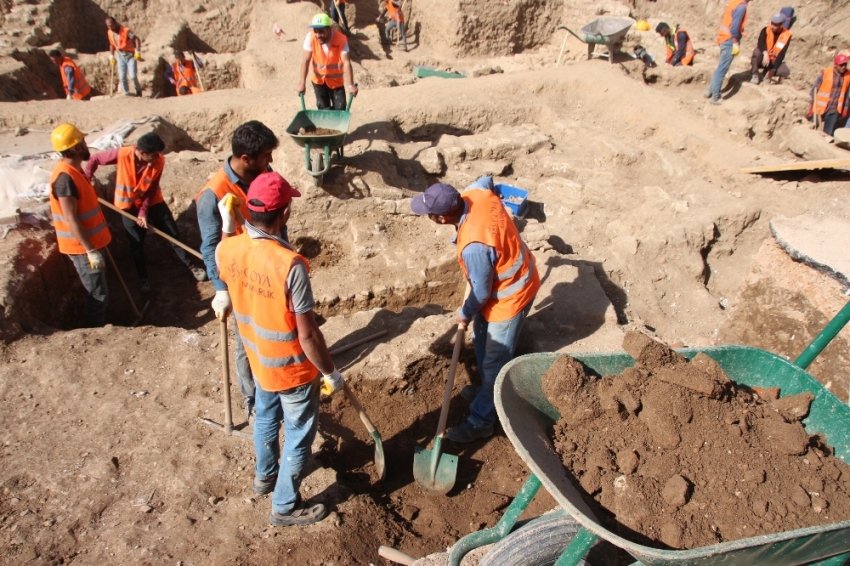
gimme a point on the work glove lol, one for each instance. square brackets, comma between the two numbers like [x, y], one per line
[138, 56]
[332, 383]
[228, 207]
[735, 50]
[69, 97]
[112, 61]
[221, 304]
[95, 259]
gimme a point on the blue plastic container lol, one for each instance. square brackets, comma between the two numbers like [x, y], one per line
[507, 191]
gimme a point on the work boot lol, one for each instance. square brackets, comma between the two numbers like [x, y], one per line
[755, 79]
[469, 392]
[198, 273]
[467, 432]
[145, 286]
[300, 516]
[715, 101]
[707, 94]
[264, 487]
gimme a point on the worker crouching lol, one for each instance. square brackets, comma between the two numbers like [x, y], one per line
[769, 54]
[680, 49]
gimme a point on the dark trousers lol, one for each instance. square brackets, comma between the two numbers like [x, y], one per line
[159, 216]
[329, 98]
[341, 16]
[781, 71]
[830, 122]
[97, 294]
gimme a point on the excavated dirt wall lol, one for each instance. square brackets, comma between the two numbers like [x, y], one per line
[78, 24]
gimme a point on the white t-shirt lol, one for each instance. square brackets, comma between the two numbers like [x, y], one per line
[308, 43]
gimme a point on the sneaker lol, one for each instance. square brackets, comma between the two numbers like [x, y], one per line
[302, 515]
[469, 392]
[264, 487]
[198, 273]
[467, 432]
[145, 286]
[707, 94]
[715, 101]
[754, 80]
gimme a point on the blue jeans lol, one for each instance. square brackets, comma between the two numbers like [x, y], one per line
[244, 377]
[396, 24]
[97, 294]
[494, 344]
[722, 69]
[127, 67]
[337, 16]
[298, 409]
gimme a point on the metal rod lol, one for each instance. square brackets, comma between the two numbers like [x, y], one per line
[823, 339]
[174, 241]
[123, 285]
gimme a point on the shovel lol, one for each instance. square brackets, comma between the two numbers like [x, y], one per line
[433, 471]
[227, 427]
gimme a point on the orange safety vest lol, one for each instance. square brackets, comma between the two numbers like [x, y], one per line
[81, 87]
[689, 48]
[221, 185]
[394, 11]
[124, 43]
[255, 272]
[327, 67]
[517, 280]
[725, 31]
[187, 76]
[825, 91]
[88, 213]
[775, 45]
[129, 189]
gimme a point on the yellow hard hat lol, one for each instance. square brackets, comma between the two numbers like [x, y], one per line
[66, 136]
[321, 21]
[642, 25]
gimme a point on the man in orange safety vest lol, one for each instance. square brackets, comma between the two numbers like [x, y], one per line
[770, 51]
[125, 51]
[326, 53]
[76, 86]
[728, 38]
[829, 95]
[183, 73]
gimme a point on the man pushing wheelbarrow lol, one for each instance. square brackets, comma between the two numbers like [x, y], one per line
[326, 50]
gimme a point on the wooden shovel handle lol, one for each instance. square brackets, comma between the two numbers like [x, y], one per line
[447, 395]
[355, 402]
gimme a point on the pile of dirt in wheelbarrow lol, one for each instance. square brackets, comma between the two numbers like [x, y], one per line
[316, 131]
[671, 453]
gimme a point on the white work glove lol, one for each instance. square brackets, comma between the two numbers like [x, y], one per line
[332, 383]
[221, 305]
[228, 207]
[69, 97]
[95, 259]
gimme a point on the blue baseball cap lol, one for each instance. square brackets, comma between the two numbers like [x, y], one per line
[437, 199]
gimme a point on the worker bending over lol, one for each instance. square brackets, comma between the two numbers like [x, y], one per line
[125, 51]
[252, 145]
[183, 73]
[326, 52]
[393, 8]
[680, 50]
[73, 80]
[137, 191]
[729, 39]
[503, 277]
[829, 95]
[770, 52]
[273, 302]
[81, 230]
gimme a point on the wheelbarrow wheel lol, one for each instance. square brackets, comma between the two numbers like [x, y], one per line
[539, 543]
[317, 165]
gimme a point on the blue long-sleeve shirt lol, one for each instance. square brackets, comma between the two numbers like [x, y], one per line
[737, 19]
[69, 76]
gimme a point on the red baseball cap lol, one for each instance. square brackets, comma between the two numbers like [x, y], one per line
[840, 59]
[272, 190]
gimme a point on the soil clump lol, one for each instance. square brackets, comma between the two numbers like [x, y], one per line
[315, 131]
[673, 454]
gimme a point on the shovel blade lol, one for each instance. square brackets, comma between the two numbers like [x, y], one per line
[442, 480]
[380, 462]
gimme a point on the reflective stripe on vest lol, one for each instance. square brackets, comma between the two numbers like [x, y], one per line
[688, 58]
[822, 96]
[187, 76]
[88, 211]
[725, 31]
[776, 45]
[81, 86]
[327, 67]
[129, 189]
[123, 43]
[255, 272]
[516, 280]
[220, 185]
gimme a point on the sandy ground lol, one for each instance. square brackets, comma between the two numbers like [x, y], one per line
[638, 217]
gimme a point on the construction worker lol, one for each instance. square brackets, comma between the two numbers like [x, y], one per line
[729, 39]
[769, 54]
[326, 50]
[338, 15]
[273, 302]
[76, 87]
[829, 95]
[503, 278]
[252, 145]
[137, 191]
[183, 73]
[393, 8]
[125, 51]
[81, 230]
[680, 50]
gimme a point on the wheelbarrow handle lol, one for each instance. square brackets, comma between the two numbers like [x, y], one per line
[303, 106]
[577, 36]
[350, 100]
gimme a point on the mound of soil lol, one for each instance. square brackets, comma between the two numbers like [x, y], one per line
[672, 454]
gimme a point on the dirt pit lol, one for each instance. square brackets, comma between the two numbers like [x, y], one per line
[672, 454]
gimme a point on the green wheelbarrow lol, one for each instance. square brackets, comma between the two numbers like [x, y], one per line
[565, 537]
[609, 32]
[302, 131]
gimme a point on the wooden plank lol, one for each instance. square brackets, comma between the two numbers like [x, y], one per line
[800, 166]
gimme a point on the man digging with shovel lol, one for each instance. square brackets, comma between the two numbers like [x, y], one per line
[269, 287]
[504, 281]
